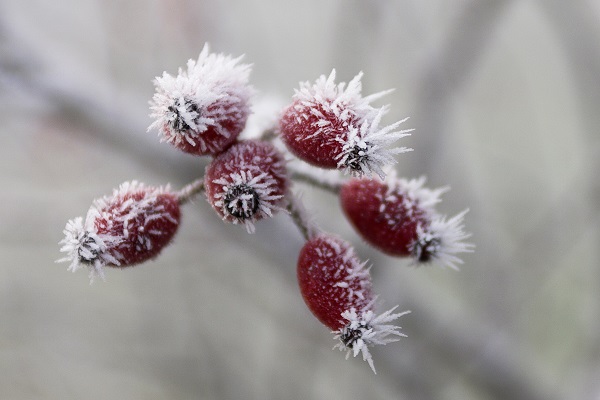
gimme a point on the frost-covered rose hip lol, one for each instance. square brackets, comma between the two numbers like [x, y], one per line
[337, 289]
[129, 227]
[247, 182]
[332, 280]
[398, 218]
[333, 126]
[203, 109]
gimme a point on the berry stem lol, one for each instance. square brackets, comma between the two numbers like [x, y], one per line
[190, 190]
[306, 178]
[296, 209]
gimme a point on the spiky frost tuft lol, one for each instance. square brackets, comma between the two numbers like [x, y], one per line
[365, 149]
[344, 102]
[364, 329]
[442, 240]
[248, 196]
[413, 192]
[87, 248]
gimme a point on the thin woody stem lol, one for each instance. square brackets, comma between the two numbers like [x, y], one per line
[329, 186]
[190, 190]
[298, 214]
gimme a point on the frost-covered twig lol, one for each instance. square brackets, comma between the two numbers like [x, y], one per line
[299, 215]
[312, 180]
[327, 180]
[191, 190]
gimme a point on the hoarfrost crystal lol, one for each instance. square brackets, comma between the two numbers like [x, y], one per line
[442, 240]
[364, 150]
[365, 329]
[87, 248]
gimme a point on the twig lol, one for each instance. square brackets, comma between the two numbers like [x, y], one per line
[329, 186]
[190, 190]
[298, 213]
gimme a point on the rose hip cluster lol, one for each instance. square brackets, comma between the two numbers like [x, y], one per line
[202, 111]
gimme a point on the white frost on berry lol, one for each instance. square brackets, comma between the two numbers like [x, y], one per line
[86, 248]
[365, 149]
[365, 329]
[345, 102]
[248, 196]
[128, 209]
[413, 192]
[212, 90]
[351, 274]
[442, 240]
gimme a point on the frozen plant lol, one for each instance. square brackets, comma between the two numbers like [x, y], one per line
[203, 111]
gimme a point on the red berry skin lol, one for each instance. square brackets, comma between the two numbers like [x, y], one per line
[307, 138]
[385, 218]
[255, 166]
[332, 280]
[144, 219]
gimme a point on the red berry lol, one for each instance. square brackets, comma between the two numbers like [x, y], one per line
[320, 116]
[203, 109]
[129, 227]
[333, 280]
[246, 183]
[333, 126]
[316, 145]
[386, 217]
[398, 218]
[336, 287]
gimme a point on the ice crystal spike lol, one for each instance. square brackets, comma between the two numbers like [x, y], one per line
[85, 247]
[202, 109]
[131, 226]
[441, 240]
[365, 150]
[366, 329]
[246, 183]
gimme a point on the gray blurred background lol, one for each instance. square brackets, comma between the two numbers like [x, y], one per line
[504, 99]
